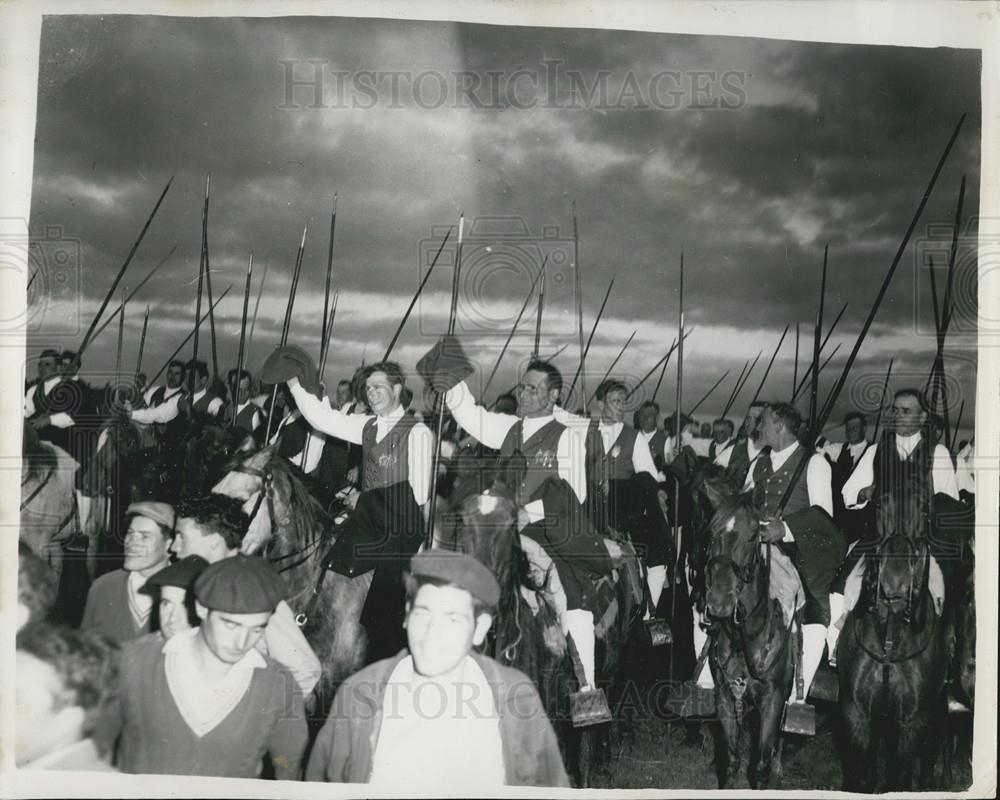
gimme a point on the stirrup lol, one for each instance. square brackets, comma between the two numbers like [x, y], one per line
[689, 699]
[589, 707]
[826, 684]
[659, 631]
[799, 717]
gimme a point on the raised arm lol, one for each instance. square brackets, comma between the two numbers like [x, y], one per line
[322, 417]
[488, 427]
[163, 413]
[421, 446]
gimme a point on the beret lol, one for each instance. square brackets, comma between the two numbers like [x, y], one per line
[240, 585]
[158, 512]
[181, 573]
[445, 364]
[288, 362]
[460, 570]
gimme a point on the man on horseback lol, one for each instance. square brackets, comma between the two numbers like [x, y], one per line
[720, 451]
[386, 527]
[845, 458]
[546, 467]
[248, 417]
[804, 529]
[748, 445]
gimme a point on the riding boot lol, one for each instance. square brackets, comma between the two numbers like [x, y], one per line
[588, 706]
[813, 642]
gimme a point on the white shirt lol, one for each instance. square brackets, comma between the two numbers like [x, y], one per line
[491, 428]
[439, 737]
[965, 470]
[283, 641]
[255, 419]
[316, 442]
[696, 443]
[58, 420]
[163, 413]
[350, 428]
[942, 470]
[139, 603]
[642, 460]
[203, 705]
[818, 480]
[214, 405]
[723, 452]
[647, 436]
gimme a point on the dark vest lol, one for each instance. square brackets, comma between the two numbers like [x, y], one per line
[770, 484]
[739, 462]
[713, 450]
[541, 453]
[245, 418]
[386, 463]
[892, 474]
[201, 405]
[171, 433]
[617, 462]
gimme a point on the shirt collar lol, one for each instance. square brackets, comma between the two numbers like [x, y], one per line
[51, 382]
[198, 395]
[394, 415]
[781, 456]
[184, 642]
[908, 442]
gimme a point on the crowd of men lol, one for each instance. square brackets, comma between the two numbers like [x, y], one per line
[189, 660]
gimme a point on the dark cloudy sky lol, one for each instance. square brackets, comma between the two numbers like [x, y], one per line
[750, 154]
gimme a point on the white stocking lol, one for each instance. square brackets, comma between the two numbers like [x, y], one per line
[580, 625]
[813, 641]
[655, 578]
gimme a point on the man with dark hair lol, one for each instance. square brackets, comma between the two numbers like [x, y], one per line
[206, 701]
[648, 419]
[61, 407]
[214, 528]
[204, 403]
[66, 681]
[547, 465]
[747, 446]
[36, 587]
[804, 529]
[171, 590]
[115, 606]
[387, 525]
[720, 451]
[485, 727]
[844, 458]
[162, 412]
[248, 416]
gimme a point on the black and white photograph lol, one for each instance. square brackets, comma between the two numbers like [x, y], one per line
[443, 400]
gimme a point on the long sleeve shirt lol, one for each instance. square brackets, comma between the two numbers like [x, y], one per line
[491, 428]
[283, 641]
[316, 442]
[965, 469]
[942, 470]
[58, 420]
[350, 427]
[163, 413]
[819, 479]
[642, 459]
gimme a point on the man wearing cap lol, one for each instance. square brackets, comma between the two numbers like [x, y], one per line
[440, 716]
[214, 527]
[386, 527]
[546, 463]
[115, 606]
[171, 589]
[206, 702]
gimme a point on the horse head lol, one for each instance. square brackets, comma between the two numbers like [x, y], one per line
[734, 551]
[487, 529]
[247, 478]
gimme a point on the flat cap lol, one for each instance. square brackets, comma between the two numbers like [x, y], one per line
[460, 570]
[288, 362]
[445, 364]
[158, 512]
[181, 573]
[240, 585]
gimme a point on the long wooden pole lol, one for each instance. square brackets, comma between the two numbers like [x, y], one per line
[286, 326]
[881, 404]
[677, 572]
[131, 294]
[142, 342]
[118, 354]
[739, 387]
[795, 366]
[709, 393]
[580, 369]
[416, 296]
[658, 364]
[541, 308]
[208, 279]
[329, 279]
[814, 386]
[187, 339]
[256, 308]
[241, 353]
[617, 357]
[808, 373]
[121, 272]
[578, 287]
[769, 365]
[506, 344]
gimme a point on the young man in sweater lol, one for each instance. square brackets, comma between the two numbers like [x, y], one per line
[440, 717]
[206, 702]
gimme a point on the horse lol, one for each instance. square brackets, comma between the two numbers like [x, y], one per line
[291, 528]
[751, 642]
[527, 635]
[48, 509]
[891, 659]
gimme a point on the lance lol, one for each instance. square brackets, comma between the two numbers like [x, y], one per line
[659, 381]
[578, 287]
[121, 271]
[735, 385]
[881, 404]
[808, 373]
[657, 365]
[187, 339]
[769, 364]
[243, 335]
[617, 357]
[287, 324]
[740, 383]
[586, 349]
[416, 296]
[541, 308]
[208, 278]
[709, 393]
[329, 278]
[678, 570]
[452, 315]
[256, 307]
[325, 350]
[795, 366]
[31, 280]
[118, 353]
[130, 295]
[958, 421]
[557, 352]
[839, 385]
[197, 318]
[142, 343]
[517, 322]
[814, 385]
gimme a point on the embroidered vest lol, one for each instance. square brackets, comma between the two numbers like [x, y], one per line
[616, 464]
[770, 484]
[540, 452]
[386, 463]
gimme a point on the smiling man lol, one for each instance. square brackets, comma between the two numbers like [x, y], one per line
[116, 607]
[207, 702]
[440, 717]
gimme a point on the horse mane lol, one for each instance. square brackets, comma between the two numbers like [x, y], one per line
[309, 518]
